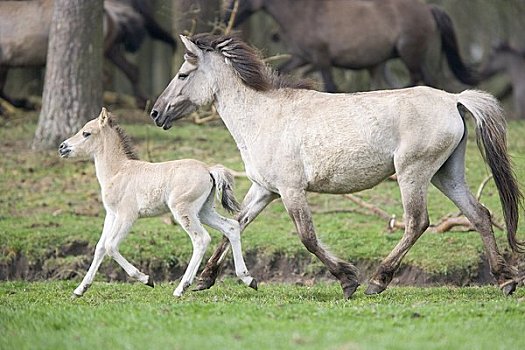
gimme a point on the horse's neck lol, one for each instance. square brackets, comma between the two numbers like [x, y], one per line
[109, 161]
[236, 104]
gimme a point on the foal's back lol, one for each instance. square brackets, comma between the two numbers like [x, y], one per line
[151, 188]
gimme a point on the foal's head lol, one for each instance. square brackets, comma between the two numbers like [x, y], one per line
[90, 140]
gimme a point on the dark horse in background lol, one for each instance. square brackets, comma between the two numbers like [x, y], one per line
[505, 59]
[361, 34]
[24, 36]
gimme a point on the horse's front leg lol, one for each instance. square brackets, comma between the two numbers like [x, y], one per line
[296, 204]
[119, 231]
[254, 202]
[100, 252]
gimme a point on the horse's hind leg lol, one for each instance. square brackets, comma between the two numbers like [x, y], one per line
[413, 194]
[450, 180]
[230, 229]
[295, 202]
[254, 202]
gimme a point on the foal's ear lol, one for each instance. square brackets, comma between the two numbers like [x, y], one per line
[104, 117]
[191, 47]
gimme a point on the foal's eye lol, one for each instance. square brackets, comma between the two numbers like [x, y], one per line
[183, 76]
[86, 134]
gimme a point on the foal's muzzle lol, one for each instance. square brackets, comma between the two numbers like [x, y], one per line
[64, 150]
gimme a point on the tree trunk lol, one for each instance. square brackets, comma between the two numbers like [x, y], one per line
[73, 82]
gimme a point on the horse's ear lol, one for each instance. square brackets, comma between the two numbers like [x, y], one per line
[191, 47]
[103, 117]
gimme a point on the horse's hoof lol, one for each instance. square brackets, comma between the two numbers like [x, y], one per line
[509, 287]
[204, 284]
[374, 289]
[150, 282]
[75, 296]
[253, 284]
[349, 290]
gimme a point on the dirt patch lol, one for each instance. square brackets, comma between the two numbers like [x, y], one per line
[72, 260]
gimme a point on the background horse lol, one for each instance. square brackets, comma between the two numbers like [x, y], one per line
[295, 140]
[132, 188]
[511, 62]
[24, 35]
[358, 34]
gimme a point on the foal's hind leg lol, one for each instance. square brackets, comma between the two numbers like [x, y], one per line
[230, 229]
[450, 180]
[295, 202]
[254, 202]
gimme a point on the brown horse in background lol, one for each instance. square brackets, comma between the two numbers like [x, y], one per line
[361, 34]
[24, 36]
[510, 61]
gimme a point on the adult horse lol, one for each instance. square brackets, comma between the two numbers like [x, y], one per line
[296, 140]
[510, 61]
[24, 34]
[361, 34]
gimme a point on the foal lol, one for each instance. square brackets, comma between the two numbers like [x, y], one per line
[132, 188]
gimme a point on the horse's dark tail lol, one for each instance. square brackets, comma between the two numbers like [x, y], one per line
[492, 142]
[153, 28]
[224, 183]
[465, 74]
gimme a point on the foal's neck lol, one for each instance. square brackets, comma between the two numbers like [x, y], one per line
[110, 159]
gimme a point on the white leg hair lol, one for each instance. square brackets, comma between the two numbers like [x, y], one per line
[232, 230]
[120, 229]
[100, 252]
[200, 239]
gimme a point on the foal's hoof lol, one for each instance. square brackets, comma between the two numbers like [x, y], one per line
[150, 282]
[374, 289]
[75, 296]
[253, 284]
[509, 287]
[203, 284]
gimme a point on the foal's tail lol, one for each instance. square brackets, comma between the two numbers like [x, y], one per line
[224, 184]
[450, 45]
[492, 142]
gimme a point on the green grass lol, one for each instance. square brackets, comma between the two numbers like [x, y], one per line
[47, 202]
[232, 316]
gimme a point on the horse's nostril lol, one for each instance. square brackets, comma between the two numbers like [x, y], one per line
[62, 145]
[154, 114]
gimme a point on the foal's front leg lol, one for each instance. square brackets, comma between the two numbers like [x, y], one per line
[295, 202]
[100, 252]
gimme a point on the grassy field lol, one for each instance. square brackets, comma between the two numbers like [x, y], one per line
[49, 204]
[232, 316]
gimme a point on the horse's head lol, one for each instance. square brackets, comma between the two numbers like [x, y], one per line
[87, 141]
[191, 87]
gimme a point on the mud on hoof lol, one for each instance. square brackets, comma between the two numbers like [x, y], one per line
[349, 289]
[374, 288]
[203, 284]
[508, 287]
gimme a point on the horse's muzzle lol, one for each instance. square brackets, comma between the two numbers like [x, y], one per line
[172, 113]
[64, 150]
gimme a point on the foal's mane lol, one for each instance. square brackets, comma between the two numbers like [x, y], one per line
[124, 140]
[247, 63]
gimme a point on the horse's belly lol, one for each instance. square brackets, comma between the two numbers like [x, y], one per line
[342, 176]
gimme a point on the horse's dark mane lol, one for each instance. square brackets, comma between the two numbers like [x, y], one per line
[124, 140]
[247, 63]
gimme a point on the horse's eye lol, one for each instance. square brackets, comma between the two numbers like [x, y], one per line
[183, 76]
[86, 134]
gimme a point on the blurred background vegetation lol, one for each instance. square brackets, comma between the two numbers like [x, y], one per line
[479, 24]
